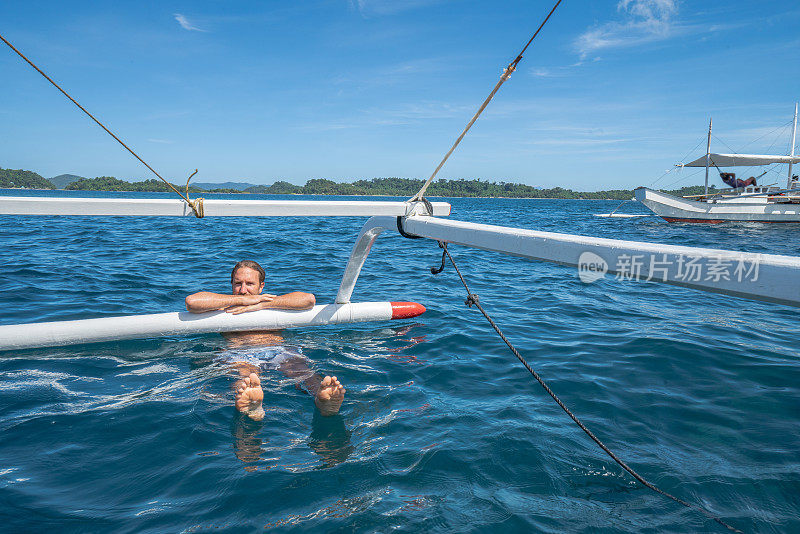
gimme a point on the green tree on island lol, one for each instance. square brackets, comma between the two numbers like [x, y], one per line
[399, 187]
[17, 178]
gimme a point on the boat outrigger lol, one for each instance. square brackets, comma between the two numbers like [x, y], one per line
[749, 275]
[745, 201]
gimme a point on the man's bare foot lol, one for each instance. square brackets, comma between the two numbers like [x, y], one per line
[249, 396]
[330, 396]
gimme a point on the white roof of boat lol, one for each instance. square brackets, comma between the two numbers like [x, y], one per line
[741, 160]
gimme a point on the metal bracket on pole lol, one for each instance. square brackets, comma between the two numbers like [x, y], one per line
[369, 233]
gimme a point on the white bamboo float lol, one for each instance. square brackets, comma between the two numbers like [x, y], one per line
[173, 207]
[765, 277]
[33, 335]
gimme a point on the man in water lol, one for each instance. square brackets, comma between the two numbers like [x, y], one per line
[247, 284]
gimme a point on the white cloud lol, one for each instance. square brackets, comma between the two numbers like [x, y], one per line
[643, 21]
[399, 115]
[544, 73]
[554, 72]
[566, 135]
[403, 72]
[185, 24]
[387, 7]
[654, 12]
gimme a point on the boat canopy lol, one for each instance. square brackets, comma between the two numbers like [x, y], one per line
[740, 160]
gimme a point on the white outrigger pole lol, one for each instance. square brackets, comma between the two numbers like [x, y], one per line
[173, 207]
[791, 158]
[708, 154]
[184, 323]
[766, 277]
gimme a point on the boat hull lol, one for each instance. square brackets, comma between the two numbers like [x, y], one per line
[754, 209]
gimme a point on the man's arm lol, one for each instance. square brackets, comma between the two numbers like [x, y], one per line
[296, 300]
[205, 301]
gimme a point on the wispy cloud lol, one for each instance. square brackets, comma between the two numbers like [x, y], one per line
[392, 73]
[161, 141]
[421, 111]
[643, 21]
[186, 25]
[566, 135]
[405, 73]
[387, 7]
[586, 142]
[161, 115]
[547, 73]
[399, 115]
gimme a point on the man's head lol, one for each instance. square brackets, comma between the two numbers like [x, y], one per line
[247, 278]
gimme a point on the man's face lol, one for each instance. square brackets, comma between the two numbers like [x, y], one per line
[246, 282]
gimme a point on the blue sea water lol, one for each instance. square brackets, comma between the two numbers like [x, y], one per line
[442, 429]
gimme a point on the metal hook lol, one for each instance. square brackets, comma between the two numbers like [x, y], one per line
[187, 182]
[442, 246]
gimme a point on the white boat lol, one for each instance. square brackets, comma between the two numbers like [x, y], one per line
[750, 203]
[754, 204]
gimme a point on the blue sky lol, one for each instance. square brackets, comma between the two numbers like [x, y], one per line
[611, 94]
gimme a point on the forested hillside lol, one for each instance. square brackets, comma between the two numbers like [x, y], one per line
[400, 187]
[19, 179]
[109, 183]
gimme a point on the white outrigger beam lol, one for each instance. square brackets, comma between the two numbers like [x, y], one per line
[139, 207]
[765, 277]
[34, 335]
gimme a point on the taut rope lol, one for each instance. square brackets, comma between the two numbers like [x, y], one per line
[506, 74]
[196, 204]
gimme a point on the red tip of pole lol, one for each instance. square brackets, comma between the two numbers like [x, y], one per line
[406, 310]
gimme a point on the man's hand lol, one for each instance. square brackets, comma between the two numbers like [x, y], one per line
[248, 303]
[204, 302]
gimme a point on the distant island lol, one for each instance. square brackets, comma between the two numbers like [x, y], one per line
[400, 187]
[63, 180]
[11, 178]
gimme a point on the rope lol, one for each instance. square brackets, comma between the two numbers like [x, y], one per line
[506, 75]
[437, 270]
[618, 207]
[472, 299]
[403, 232]
[196, 204]
[684, 178]
[654, 182]
[782, 127]
[400, 229]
